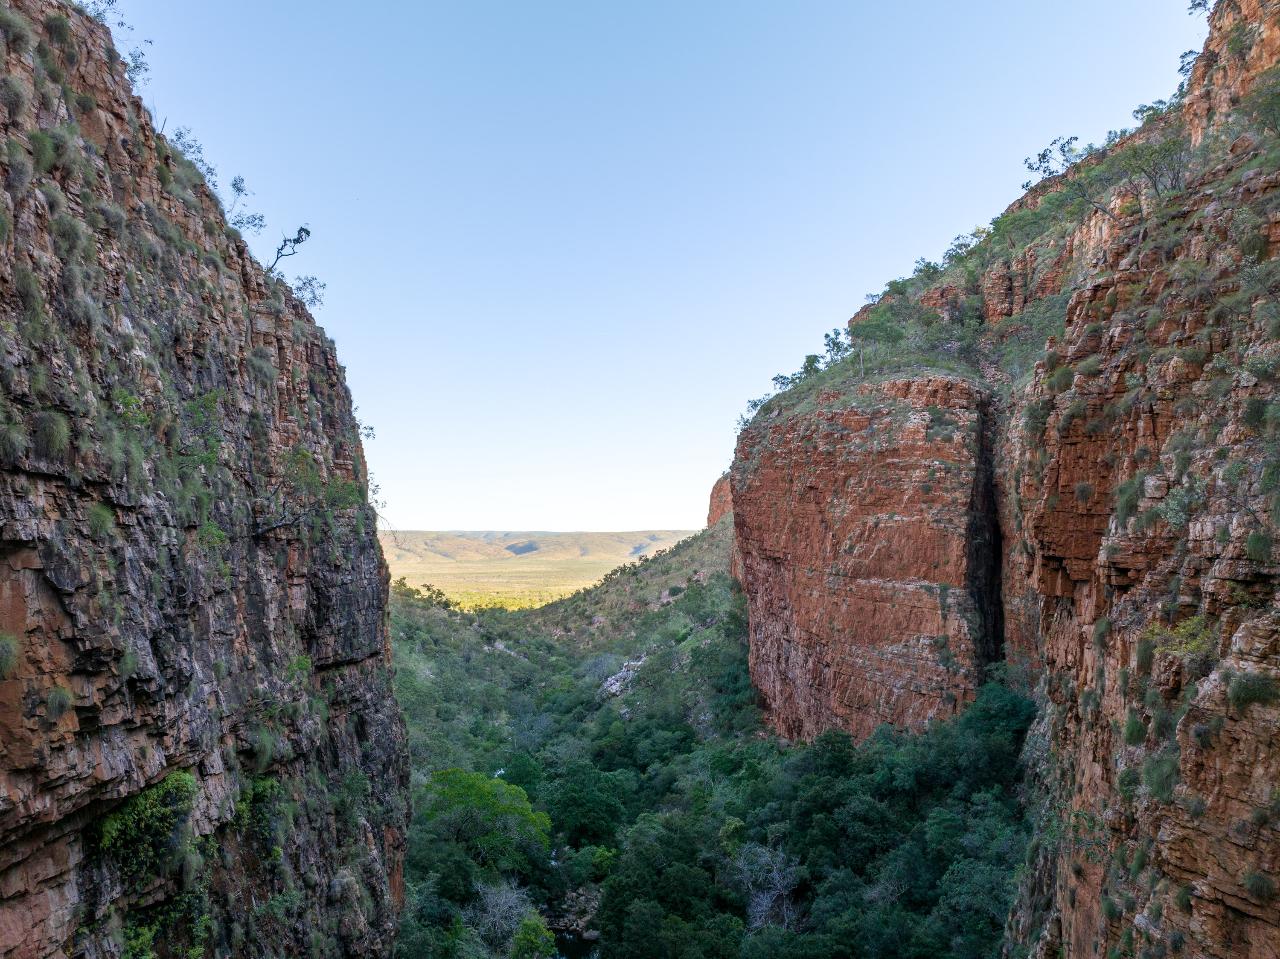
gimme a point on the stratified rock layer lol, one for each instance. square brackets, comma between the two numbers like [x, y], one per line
[721, 502]
[867, 552]
[1134, 503]
[189, 577]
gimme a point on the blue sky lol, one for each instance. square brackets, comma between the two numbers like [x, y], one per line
[567, 241]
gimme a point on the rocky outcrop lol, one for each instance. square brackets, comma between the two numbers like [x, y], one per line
[868, 555]
[1244, 42]
[721, 503]
[1131, 523]
[199, 751]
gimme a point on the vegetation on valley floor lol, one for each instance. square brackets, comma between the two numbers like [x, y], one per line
[601, 764]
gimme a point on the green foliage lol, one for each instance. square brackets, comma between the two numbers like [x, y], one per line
[1060, 379]
[16, 30]
[57, 702]
[211, 536]
[68, 237]
[52, 434]
[1247, 689]
[426, 594]
[489, 818]
[1182, 502]
[1128, 495]
[144, 836]
[140, 939]
[10, 650]
[1145, 655]
[44, 152]
[101, 519]
[1182, 898]
[1193, 635]
[1101, 630]
[1127, 783]
[1262, 103]
[1135, 730]
[1259, 885]
[113, 217]
[1160, 775]
[1036, 418]
[533, 940]
[12, 97]
[299, 668]
[58, 29]
[609, 746]
[1258, 546]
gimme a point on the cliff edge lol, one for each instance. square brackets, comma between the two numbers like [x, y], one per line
[1056, 455]
[199, 749]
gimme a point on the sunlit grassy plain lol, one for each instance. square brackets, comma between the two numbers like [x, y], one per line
[515, 570]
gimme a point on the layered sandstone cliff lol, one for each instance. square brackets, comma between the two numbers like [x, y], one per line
[867, 550]
[1106, 515]
[199, 750]
[721, 501]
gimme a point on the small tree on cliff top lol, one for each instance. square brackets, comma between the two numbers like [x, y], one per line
[875, 331]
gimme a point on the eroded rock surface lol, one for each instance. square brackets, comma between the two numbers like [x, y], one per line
[721, 502]
[868, 555]
[190, 584]
[1123, 556]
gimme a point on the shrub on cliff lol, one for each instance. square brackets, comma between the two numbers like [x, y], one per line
[52, 434]
[1259, 885]
[13, 437]
[143, 836]
[101, 519]
[57, 702]
[16, 30]
[1262, 103]
[1247, 689]
[9, 650]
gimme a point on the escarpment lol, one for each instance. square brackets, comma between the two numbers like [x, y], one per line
[1058, 454]
[866, 551]
[199, 750]
[721, 501]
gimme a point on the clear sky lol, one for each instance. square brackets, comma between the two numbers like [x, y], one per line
[567, 240]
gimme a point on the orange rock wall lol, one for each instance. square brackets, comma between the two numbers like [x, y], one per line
[868, 557]
[721, 503]
[1106, 529]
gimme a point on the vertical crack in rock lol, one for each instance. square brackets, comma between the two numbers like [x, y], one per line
[986, 547]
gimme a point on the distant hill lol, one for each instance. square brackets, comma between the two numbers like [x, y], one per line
[515, 568]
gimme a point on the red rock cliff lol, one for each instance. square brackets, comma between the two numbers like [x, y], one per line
[199, 750]
[721, 503]
[1124, 554]
[863, 526]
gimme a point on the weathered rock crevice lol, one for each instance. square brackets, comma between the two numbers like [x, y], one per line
[1102, 517]
[986, 546]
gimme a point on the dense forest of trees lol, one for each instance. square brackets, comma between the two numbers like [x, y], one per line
[618, 781]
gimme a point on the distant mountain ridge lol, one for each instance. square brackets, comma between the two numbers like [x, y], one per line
[515, 567]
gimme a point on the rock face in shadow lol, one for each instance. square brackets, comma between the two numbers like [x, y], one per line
[1103, 523]
[199, 749]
